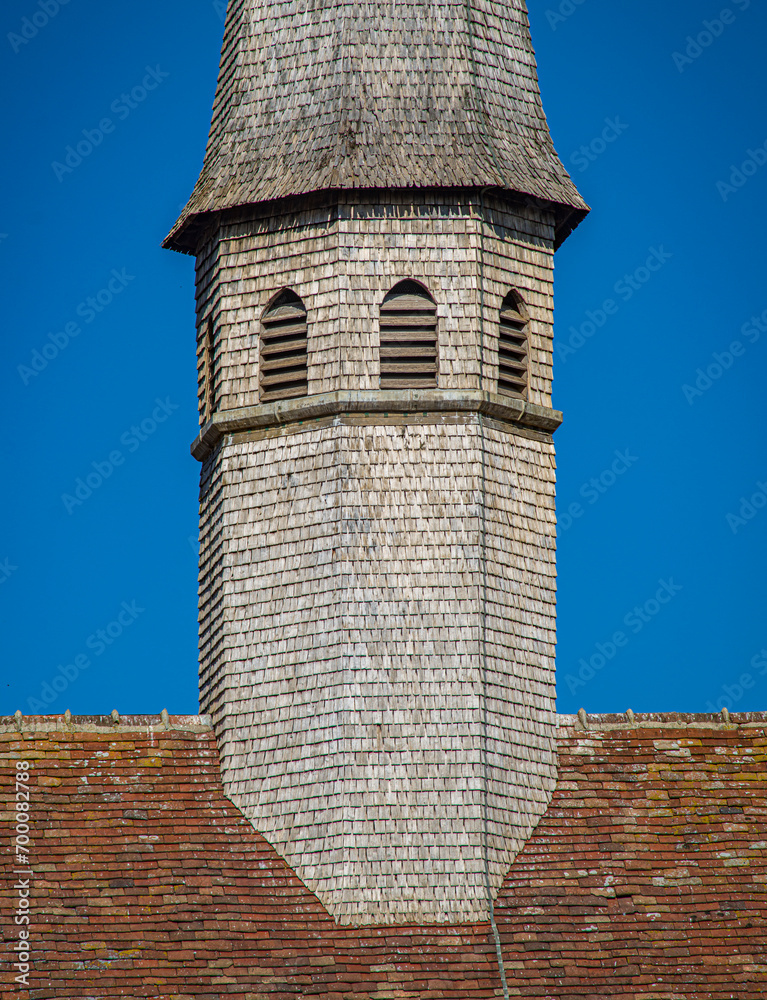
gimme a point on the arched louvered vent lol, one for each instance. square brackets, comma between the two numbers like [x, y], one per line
[408, 341]
[512, 348]
[283, 369]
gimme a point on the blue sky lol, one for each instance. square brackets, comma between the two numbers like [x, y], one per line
[660, 365]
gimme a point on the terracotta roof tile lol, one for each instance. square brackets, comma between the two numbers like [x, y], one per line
[647, 877]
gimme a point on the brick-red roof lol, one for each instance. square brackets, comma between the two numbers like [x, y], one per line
[647, 877]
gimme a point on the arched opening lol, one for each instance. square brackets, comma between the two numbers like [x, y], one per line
[283, 368]
[513, 347]
[408, 338]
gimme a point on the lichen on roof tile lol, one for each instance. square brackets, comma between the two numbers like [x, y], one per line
[161, 888]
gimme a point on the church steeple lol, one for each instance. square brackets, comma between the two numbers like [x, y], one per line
[347, 95]
[374, 226]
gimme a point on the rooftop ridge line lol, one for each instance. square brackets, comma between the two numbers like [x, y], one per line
[67, 723]
[586, 723]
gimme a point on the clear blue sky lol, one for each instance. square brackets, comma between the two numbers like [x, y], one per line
[646, 551]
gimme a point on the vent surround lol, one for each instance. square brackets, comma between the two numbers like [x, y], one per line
[408, 338]
[513, 348]
[283, 369]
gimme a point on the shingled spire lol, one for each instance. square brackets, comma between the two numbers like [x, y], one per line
[374, 228]
[342, 95]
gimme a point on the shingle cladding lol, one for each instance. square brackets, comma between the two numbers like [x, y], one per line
[646, 877]
[377, 587]
[334, 95]
[361, 729]
[343, 254]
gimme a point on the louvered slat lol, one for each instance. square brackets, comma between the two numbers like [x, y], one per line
[401, 351]
[512, 350]
[284, 370]
[407, 334]
[408, 340]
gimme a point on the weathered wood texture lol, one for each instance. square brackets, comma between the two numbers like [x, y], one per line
[343, 257]
[369, 95]
[377, 592]
[342, 593]
[347, 695]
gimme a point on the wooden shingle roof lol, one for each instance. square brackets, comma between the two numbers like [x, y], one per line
[332, 96]
[646, 878]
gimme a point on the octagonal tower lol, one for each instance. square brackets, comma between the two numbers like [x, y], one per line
[374, 228]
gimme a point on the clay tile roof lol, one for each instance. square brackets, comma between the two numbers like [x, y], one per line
[369, 95]
[647, 877]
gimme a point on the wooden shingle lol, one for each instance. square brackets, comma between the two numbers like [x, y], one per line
[370, 96]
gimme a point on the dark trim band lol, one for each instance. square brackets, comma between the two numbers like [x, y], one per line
[288, 411]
